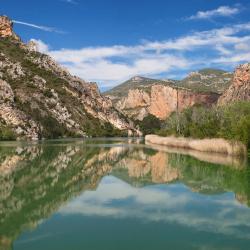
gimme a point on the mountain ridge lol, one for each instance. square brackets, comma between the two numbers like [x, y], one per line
[41, 99]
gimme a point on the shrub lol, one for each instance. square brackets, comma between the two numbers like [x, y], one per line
[48, 93]
[229, 122]
[150, 124]
[6, 134]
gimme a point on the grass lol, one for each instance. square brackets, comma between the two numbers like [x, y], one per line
[6, 134]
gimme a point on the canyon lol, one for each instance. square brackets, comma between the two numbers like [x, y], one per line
[41, 99]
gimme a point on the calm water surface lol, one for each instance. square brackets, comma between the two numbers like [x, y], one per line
[120, 194]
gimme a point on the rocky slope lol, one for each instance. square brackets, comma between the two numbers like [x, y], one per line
[240, 87]
[41, 99]
[140, 96]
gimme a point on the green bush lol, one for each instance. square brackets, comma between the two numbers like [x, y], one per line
[229, 122]
[48, 93]
[149, 125]
[6, 134]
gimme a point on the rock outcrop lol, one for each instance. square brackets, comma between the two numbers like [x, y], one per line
[161, 101]
[240, 88]
[6, 28]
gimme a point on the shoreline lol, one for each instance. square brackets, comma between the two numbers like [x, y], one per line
[215, 145]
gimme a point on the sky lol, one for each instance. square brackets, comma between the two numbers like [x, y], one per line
[110, 41]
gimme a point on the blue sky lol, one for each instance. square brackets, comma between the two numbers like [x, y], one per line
[110, 41]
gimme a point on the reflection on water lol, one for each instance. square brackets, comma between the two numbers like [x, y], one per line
[118, 194]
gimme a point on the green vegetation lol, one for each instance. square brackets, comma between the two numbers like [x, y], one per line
[6, 134]
[208, 80]
[229, 122]
[94, 128]
[47, 93]
[149, 125]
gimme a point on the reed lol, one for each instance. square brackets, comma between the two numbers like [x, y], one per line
[215, 145]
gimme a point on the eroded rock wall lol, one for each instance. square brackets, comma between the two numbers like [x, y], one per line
[162, 100]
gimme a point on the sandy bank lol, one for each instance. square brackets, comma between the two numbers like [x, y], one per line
[215, 145]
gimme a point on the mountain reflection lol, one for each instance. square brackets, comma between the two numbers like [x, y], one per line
[38, 180]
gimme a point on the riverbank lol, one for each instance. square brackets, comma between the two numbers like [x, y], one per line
[215, 145]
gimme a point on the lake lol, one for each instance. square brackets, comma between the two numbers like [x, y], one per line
[120, 194]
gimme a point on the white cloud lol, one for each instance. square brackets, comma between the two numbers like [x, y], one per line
[224, 11]
[41, 46]
[40, 27]
[111, 65]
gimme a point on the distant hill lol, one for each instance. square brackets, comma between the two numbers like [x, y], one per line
[210, 80]
[137, 82]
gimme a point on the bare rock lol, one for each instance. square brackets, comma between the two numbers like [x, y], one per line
[161, 101]
[240, 88]
[6, 28]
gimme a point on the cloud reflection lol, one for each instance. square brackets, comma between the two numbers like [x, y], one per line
[164, 203]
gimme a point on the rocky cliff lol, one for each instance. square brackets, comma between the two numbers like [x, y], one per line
[140, 96]
[240, 87]
[41, 99]
[161, 100]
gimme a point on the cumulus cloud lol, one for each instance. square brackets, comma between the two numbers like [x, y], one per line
[41, 46]
[111, 65]
[224, 11]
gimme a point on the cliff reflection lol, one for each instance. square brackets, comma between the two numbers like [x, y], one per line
[37, 180]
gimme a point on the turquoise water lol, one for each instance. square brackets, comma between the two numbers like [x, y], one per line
[120, 194]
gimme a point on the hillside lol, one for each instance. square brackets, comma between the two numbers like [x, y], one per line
[41, 99]
[213, 80]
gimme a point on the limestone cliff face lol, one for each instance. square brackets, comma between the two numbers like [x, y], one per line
[162, 100]
[41, 99]
[240, 88]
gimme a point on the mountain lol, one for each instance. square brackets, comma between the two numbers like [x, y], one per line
[41, 99]
[210, 80]
[137, 82]
[140, 96]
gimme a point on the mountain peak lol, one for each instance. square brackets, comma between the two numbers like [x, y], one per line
[6, 28]
[137, 79]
